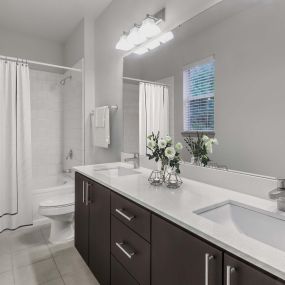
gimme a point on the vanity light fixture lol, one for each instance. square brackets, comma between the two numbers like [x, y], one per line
[153, 44]
[141, 50]
[136, 37]
[149, 27]
[124, 44]
[162, 39]
[140, 34]
[166, 37]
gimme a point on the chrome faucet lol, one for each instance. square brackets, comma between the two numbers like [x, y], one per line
[69, 155]
[279, 191]
[135, 160]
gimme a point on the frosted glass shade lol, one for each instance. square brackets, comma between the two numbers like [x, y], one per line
[136, 37]
[153, 44]
[124, 44]
[141, 51]
[166, 37]
[149, 28]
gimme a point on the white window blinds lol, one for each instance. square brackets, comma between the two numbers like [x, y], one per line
[199, 96]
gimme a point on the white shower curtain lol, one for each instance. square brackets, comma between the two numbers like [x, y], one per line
[15, 146]
[153, 112]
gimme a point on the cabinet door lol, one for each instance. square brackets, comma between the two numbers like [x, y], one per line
[99, 232]
[180, 258]
[119, 275]
[81, 217]
[237, 272]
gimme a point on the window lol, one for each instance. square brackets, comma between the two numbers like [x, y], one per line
[199, 96]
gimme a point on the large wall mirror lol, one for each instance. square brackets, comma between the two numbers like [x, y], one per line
[222, 74]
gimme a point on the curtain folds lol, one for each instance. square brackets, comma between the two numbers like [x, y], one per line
[15, 146]
[153, 112]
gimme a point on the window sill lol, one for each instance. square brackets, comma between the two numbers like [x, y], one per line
[210, 134]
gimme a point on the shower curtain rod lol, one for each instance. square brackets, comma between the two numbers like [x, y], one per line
[145, 81]
[9, 58]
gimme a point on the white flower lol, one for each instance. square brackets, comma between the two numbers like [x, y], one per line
[151, 144]
[162, 143]
[168, 139]
[205, 138]
[170, 152]
[209, 146]
[178, 146]
[215, 141]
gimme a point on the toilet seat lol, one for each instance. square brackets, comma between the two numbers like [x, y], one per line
[58, 205]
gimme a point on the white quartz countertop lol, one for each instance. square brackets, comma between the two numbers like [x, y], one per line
[179, 206]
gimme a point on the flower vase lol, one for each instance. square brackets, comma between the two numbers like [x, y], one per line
[172, 179]
[156, 177]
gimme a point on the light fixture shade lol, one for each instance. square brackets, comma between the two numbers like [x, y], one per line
[166, 37]
[141, 51]
[124, 44]
[136, 37]
[153, 44]
[149, 28]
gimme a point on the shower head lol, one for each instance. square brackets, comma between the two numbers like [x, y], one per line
[62, 82]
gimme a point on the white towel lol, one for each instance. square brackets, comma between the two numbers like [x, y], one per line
[100, 116]
[101, 135]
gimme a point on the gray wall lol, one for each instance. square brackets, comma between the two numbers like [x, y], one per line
[73, 49]
[120, 16]
[250, 67]
[27, 47]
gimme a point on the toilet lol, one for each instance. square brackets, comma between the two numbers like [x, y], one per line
[60, 210]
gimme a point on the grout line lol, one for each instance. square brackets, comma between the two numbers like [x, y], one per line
[52, 257]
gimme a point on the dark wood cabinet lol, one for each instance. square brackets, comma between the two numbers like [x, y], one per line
[99, 232]
[126, 244]
[131, 250]
[180, 258]
[81, 218]
[119, 275]
[237, 272]
[92, 226]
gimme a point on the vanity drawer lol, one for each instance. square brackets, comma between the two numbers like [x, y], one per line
[132, 215]
[132, 251]
[119, 275]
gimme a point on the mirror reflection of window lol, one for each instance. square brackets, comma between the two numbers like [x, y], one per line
[199, 96]
[153, 112]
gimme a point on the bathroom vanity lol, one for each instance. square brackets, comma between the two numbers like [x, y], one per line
[129, 232]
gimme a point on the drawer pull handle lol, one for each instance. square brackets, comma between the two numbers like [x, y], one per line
[87, 194]
[83, 192]
[125, 215]
[230, 270]
[125, 249]
[208, 257]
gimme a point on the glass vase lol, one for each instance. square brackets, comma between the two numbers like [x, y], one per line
[172, 179]
[157, 176]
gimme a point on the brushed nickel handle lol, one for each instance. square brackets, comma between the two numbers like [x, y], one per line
[125, 249]
[125, 215]
[83, 192]
[87, 194]
[230, 270]
[208, 257]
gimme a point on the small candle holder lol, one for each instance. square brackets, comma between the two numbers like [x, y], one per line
[156, 177]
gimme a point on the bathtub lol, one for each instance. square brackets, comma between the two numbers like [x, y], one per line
[62, 184]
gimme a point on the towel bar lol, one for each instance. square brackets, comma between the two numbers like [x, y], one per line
[111, 108]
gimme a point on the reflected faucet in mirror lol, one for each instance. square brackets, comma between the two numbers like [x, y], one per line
[279, 191]
[135, 159]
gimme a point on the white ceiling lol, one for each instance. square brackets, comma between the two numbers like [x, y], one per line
[50, 19]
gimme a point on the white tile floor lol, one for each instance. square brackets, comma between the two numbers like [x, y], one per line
[27, 258]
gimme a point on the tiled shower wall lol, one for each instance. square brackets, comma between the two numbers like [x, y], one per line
[47, 128]
[72, 119]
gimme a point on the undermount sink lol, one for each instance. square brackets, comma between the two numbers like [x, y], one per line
[258, 224]
[116, 171]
